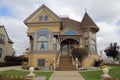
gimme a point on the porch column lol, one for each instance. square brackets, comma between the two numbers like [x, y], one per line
[58, 45]
[49, 42]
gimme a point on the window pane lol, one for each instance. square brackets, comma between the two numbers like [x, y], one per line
[54, 40]
[42, 46]
[93, 48]
[41, 18]
[54, 44]
[92, 42]
[0, 52]
[86, 42]
[38, 45]
[41, 62]
[42, 32]
[54, 47]
[1, 37]
[42, 38]
[45, 18]
[45, 46]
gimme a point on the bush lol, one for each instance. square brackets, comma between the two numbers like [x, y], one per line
[79, 53]
[36, 68]
[97, 63]
[2, 64]
[24, 66]
[15, 59]
[13, 63]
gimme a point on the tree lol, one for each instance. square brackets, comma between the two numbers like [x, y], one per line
[79, 53]
[112, 50]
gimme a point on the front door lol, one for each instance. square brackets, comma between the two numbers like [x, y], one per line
[66, 46]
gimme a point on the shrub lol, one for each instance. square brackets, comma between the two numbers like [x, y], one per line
[79, 53]
[97, 63]
[2, 64]
[15, 59]
[36, 68]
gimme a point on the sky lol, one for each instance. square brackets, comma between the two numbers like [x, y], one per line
[105, 13]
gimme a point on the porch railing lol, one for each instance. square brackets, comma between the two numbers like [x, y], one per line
[57, 61]
[75, 62]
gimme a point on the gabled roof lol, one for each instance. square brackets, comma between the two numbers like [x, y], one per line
[87, 22]
[36, 11]
[9, 40]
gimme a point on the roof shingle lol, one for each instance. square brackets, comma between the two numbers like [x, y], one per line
[87, 22]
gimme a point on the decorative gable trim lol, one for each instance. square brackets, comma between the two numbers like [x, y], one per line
[41, 8]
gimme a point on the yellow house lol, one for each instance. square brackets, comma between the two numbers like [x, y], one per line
[51, 37]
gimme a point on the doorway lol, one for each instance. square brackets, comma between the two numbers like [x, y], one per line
[67, 45]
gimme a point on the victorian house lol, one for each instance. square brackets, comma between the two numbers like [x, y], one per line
[5, 44]
[52, 36]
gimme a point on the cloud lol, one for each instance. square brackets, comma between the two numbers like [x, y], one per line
[105, 13]
[17, 33]
[109, 33]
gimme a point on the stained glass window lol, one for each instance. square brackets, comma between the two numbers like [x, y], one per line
[42, 43]
[42, 39]
[69, 32]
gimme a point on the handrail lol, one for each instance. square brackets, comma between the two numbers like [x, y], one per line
[75, 62]
[57, 61]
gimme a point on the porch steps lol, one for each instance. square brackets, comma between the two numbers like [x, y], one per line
[65, 64]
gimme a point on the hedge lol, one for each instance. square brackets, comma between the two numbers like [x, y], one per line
[5, 64]
[15, 59]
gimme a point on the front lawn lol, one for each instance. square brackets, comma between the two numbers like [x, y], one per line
[22, 74]
[96, 75]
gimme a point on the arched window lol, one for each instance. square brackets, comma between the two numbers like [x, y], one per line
[42, 43]
[42, 39]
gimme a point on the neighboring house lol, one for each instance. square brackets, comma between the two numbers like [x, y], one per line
[5, 44]
[51, 35]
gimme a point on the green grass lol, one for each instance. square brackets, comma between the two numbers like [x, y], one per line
[20, 73]
[96, 75]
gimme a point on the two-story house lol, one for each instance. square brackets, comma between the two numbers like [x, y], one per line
[5, 44]
[51, 35]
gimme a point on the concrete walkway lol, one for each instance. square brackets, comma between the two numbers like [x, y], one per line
[66, 75]
[57, 75]
[10, 67]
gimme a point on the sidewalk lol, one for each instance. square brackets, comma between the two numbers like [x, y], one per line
[66, 75]
[10, 67]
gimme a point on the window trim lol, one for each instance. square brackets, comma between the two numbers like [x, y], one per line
[2, 38]
[1, 52]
